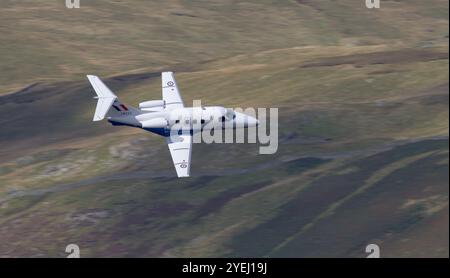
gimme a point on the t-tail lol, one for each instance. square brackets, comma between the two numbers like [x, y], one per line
[109, 105]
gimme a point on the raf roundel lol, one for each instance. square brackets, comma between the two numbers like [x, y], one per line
[170, 83]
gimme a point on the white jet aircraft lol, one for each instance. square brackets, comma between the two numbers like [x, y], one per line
[160, 116]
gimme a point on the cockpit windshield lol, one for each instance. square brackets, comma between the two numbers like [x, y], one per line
[229, 115]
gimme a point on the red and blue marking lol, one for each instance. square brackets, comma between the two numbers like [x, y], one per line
[120, 107]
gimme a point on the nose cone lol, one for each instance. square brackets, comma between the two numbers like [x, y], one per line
[243, 121]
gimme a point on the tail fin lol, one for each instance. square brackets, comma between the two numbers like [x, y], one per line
[105, 97]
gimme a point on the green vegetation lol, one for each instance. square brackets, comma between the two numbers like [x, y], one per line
[363, 147]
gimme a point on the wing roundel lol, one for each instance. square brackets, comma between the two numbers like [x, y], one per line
[180, 149]
[170, 91]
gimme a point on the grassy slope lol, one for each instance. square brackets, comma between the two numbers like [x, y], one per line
[41, 40]
[355, 90]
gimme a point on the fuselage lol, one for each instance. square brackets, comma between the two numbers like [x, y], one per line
[192, 119]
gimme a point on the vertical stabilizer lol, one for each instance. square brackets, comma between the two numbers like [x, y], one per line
[105, 97]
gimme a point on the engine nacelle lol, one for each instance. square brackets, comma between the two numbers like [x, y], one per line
[152, 104]
[154, 123]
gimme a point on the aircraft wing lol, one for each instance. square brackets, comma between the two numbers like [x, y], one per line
[170, 92]
[180, 149]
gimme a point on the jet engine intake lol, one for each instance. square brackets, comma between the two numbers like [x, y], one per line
[152, 104]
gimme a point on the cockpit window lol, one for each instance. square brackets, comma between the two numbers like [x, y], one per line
[230, 114]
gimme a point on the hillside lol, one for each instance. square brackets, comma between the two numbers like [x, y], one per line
[363, 140]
